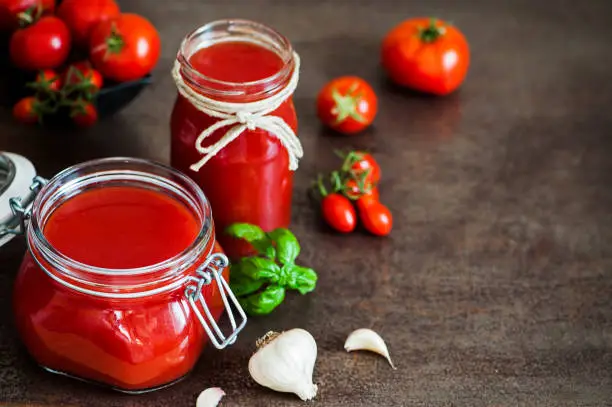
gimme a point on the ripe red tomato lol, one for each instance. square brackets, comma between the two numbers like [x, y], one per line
[339, 213]
[84, 114]
[49, 80]
[375, 217]
[426, 55]
[347, 104]
[124, 48]
[81, 73]
[81, 16]
[359, 163]
[27, 110]
[42, 45]
[10, 10]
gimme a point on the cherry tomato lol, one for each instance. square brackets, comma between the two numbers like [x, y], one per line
[426, 55]
[42, 45]
[84, 114]
[10, 11]
[81, 73]
[375, 217]
[124, 48]
[339, 213]
[27, 110]
[49, 80]
[347, 104]
[359, 162]
[81, 16]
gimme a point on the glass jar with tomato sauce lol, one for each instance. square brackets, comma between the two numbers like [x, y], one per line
[236, 65]
[123, 282]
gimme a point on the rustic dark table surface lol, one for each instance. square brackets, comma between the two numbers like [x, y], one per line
[495, 287]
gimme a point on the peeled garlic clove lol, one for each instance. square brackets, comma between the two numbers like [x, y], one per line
[284, 362]
[210, 397]
[366, 339]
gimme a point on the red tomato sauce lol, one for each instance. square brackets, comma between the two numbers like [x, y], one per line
[121, 227]
[249, 180]
[131, 344]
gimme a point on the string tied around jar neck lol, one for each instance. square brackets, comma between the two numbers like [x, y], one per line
[240, 117]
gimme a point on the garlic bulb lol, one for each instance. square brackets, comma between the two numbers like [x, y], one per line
[366, 339]
[210, 397]
[284, 362]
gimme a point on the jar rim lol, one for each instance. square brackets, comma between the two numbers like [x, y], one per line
[35, 230]
[262, 35]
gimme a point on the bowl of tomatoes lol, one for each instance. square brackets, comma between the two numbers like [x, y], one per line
[74, 60]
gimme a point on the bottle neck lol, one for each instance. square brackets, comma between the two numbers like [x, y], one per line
[119, 283]
[214, 43]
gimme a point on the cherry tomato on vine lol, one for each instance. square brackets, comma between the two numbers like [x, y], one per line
[427, 55]
[375, 217]
[43, 45]
[84, 114]
[48, 80]
[339, 212]
[81, 73]
[11, 11]
[359, 162]
[81, 16]
[27, 110]
[347, 104]
[124, 48]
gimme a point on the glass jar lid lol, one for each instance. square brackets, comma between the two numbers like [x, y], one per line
[16, 176]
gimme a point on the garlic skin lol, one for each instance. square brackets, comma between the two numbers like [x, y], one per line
[210, 397]
[284, 362]
[367, 339]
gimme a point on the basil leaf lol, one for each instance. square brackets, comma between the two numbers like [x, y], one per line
[246, 231]
[243, 285]
[287, 246]
[258, 268]
[254, 235]
[302, 279]
[264, 302]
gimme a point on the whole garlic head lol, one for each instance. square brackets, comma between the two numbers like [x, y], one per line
[285, 362]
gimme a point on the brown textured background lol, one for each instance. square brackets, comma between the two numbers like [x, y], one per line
[495, 287]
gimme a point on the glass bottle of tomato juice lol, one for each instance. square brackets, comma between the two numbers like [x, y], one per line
[123, 281]
[240, 63]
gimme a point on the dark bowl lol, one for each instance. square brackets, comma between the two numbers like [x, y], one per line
[110, 99]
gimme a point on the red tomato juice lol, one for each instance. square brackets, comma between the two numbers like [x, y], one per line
[131, 344]
[248, 180]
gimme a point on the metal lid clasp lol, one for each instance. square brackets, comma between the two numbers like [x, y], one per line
[211, 270]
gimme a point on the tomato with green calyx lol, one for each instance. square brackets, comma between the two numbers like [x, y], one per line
[28, 110]
[347, 104]
[82, 16]
[16, 12]
[426, 55]
[360, 162]
[82, 76]
[375, 217]
[84, 113]
[43, 45]
[351, 185]
[124, 48]
[47, 80]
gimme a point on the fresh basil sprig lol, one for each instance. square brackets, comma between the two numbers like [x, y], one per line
[260, 282]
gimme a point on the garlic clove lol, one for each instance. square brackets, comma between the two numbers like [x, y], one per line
[367, 339]
[284, 362]
[210, 397]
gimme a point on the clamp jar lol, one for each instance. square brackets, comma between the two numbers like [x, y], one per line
[123, 282]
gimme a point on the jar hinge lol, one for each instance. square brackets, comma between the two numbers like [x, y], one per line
[210, 270]
[22, 209]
